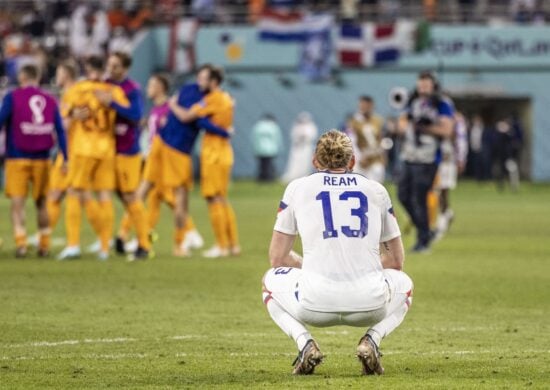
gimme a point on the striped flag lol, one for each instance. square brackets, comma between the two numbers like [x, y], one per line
[291, 26]
[372, 44]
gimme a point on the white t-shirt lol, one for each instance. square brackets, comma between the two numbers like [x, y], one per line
[341, 219]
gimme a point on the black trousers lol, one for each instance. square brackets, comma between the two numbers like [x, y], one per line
[266, 169]
[413, 187]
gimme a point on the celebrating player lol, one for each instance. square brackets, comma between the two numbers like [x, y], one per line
[93, 156]
[157, 90]
[65, 77]
[351, 273]
[31, 117]
[128, 155]
[216, 159]
[169, 164]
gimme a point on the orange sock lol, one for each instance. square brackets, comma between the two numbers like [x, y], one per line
[189, 224]
[218, 220]
[73, 213]
[44, 239]
[107, 222]
[153, 208]
[94, 213]
[179, 236]
[138, 215]
[54, 211]
[125, 226]
[20, 240]
[231, 220]
[433, 207]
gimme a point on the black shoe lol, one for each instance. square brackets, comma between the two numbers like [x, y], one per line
[119, 246]
[421, 248]
[139, 254]
[43, 253]
[309, 357]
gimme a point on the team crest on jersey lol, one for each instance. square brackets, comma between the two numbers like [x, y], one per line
[282, 206]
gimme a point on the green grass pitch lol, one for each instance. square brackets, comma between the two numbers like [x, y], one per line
[479, 317]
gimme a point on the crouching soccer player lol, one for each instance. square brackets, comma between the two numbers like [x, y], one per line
[351, 273]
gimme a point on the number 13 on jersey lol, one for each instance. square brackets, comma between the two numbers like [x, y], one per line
[359, 212]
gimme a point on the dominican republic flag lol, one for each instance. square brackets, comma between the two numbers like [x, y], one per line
[290, 26]
[371, 44]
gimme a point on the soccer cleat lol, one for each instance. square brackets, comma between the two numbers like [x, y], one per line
[131, 246]
[215, 252]
[139, 254]
[20, 252]
[308, 358]
[69, 253]
[34, 240]
[119, 246]
[421, 248]
[96, 246]
[43, 253]
[369, 356]
[192, 240]
[102, 256]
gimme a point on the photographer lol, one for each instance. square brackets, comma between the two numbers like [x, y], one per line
[427, 121]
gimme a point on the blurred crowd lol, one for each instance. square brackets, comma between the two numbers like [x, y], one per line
[46, 31]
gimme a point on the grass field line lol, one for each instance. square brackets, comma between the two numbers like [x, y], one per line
[131, 355]
[198, 336]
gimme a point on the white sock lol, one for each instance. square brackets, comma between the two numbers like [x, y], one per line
[392, 321]
[288, 324]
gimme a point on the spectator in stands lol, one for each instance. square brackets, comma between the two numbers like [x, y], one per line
[267, 144]
[522, 10]
[117, 16]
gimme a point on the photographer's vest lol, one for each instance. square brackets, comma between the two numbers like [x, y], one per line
[421, 148]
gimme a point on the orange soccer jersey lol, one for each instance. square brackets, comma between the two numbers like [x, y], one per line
[218, 106]
[93, 140]
[94, 137]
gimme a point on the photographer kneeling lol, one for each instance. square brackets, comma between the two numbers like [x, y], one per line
[427, 121]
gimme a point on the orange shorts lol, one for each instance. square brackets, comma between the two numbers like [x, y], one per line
[90, 173]
[20, 172]
[215, 179]
[216, 165]
[58, 180]
[167, 167]
[128, 172]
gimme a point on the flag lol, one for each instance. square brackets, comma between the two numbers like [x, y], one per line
[181, 54]
[315, 58]
[291, 26]
[371, 44]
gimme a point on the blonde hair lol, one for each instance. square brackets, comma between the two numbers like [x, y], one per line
[334, 150]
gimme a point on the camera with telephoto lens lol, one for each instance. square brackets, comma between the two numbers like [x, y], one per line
[420, 126]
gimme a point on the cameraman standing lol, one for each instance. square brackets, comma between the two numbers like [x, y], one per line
[427, 121]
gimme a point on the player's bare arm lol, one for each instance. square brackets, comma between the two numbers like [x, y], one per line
[183, 114]
[392, 254]
[281, 253]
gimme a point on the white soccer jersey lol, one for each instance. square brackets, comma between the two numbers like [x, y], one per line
[341, 219]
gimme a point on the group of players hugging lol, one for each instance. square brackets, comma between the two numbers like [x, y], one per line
[96, 129]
